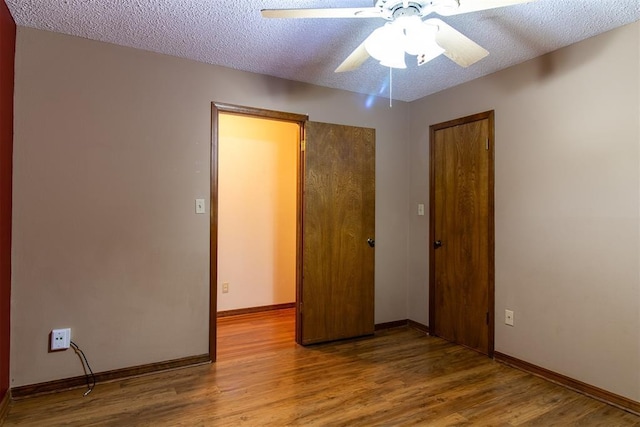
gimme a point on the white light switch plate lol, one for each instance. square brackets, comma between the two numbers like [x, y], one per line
[508, 317]
[420, 209]
[200, 206]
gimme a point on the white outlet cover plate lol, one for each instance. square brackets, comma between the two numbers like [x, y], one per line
[60, 339]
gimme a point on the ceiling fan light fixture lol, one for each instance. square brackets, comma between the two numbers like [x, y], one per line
[424, 43]
[386, 45]
[420, 38]
[395, 61]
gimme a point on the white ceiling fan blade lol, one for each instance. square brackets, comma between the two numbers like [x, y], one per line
[467, 6]
[458, 47]
[354, 60]
[350, 12]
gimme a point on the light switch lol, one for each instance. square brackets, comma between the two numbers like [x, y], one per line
[508, 317]
[420, 209]
[200, 206]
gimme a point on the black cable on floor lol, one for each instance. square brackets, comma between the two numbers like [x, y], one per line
[92, 383]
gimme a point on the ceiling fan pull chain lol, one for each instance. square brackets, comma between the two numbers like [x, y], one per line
[390, 87]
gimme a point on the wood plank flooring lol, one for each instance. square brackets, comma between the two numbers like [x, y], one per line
[262, 378]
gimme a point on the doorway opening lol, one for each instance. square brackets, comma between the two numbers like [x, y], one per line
[334, 227]
[257, 195]
[254, 212]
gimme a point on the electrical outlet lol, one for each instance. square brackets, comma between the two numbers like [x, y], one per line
[60, 339]
[225, 288]
[508, 317]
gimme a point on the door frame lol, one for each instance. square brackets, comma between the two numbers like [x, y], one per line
[216, 109]
[491, 220]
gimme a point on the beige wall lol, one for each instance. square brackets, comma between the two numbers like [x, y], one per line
[112, 146]
[111, 149]
[257, 176]
[566, 206]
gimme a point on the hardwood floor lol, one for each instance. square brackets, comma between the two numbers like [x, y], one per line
[398, 377]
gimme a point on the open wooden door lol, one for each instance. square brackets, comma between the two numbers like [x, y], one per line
[336, 287]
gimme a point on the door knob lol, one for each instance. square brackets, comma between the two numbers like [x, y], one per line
[437, 244]
[371, 242]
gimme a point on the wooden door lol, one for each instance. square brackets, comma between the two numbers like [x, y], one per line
[336, 290]
[461, 222]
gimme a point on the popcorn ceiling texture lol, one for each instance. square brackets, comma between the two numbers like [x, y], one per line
[233, 34]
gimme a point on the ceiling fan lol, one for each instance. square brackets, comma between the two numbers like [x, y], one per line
[405, 31]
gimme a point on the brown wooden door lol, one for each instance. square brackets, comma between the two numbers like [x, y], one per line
[461, 285]
[336, 293]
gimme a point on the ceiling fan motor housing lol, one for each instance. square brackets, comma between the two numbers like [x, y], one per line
[410, 10]
[392, 9]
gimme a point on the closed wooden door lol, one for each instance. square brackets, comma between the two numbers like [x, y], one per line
[461, 222]
[336, 291]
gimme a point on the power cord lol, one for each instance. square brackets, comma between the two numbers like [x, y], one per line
[90, 384]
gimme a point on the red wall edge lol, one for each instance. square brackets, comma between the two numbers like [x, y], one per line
[7, 60]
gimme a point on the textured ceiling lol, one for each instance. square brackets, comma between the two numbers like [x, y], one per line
[233, 34]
